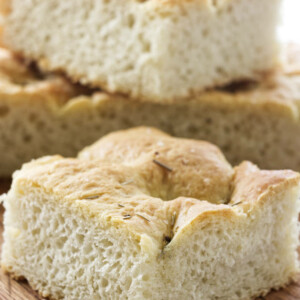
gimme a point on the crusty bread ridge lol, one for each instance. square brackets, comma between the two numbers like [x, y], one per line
[154, 50]
[48, 115]
[115, 224]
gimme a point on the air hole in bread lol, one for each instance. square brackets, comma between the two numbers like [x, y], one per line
[4, 110]
[130, 20]
[27, 138]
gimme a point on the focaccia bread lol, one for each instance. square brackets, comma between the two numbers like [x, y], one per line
[42, 114]
[142, 215]
[156, 50]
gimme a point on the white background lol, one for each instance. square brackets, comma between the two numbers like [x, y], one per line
[290, 30]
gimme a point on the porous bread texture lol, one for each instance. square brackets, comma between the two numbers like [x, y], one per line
[95, 228]
[48, 115]
[154, 50]
[30, 113]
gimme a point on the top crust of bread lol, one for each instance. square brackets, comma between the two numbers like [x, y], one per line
[22, 80]
[152, 50]
[120, 176]
[279, 92]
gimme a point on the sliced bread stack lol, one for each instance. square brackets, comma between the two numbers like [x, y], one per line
[142, 215]
[200, 69]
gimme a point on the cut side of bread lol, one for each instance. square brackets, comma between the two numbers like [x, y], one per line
[154, 50]
[142, 215]
[43, 114]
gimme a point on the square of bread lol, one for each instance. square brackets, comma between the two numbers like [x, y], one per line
[142, 215]
[156, 49]
[249, 121]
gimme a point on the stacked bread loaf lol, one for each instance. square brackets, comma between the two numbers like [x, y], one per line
[142, 215]
[199, 69]
[154, 50]
[49, 115]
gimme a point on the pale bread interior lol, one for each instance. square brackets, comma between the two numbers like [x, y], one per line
[154, 50]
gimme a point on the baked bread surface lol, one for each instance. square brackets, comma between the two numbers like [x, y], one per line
[142, 215]
[153, 50]
[247, 121]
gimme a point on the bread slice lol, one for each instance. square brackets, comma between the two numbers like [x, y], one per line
[154, 50]
[42, 114]
[142, 215]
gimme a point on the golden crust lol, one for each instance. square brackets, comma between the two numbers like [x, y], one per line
[65, 105]
[196, 95]
[251, 183]
[118, 183]
[276, 93]
[5, 7]
[20, 80]
[168, 168]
